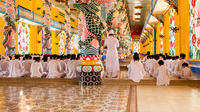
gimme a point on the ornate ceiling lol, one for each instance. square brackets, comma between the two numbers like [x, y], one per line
[137, 12]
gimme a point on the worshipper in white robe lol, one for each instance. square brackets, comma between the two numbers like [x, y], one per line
[168, 62]
[147, 63]
[15, 67]
[4, 66]
[154, 66]
[179, 64]
[62, 63]
[67, 61]
[71, 68]
[27, 65]
[44, 64]
[162, 74]
[186, 72]
[36, 68]
[145, 58]
[174, 65]
[136, 70]
[112, 59]
[54, 68]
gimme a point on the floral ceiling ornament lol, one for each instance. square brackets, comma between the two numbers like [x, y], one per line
[10, 27]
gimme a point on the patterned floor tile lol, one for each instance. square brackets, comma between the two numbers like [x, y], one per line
[64, 98]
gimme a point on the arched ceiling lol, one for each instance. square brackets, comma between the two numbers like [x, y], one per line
[137, 12]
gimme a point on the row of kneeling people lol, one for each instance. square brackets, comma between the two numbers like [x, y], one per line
[40, 66]
[159, 67]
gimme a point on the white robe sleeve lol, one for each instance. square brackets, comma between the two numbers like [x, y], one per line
[41, 68]
[31, 70]
[59, 67]
[105, 43]
[117, 43]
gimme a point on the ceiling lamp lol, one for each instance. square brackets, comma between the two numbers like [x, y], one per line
[137, 11]
[161, 7]
[137, 20]
[137, 16]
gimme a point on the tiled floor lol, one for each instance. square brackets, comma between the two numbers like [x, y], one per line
[63, 98]
[168, 99]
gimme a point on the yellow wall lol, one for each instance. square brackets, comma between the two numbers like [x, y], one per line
[33, 39]
[166, 39]
[28, 4]
[39, 42]
[158, 38]
[152, 39]
[177, 38]
[184, 22]
[2, 49]
[55, 43]
[38, 4]
[16, 39]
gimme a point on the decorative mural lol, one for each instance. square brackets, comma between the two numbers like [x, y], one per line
[61, 37]
[75, 44]
[161, 37]
[137, 46]
[67, 27]
[23, 38]
[172, 33]
[94, 27]
[195, 29]
[10, 27]
[107, 14]
[47, 36]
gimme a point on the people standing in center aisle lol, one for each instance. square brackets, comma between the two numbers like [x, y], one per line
[136, 69]
[112, 59]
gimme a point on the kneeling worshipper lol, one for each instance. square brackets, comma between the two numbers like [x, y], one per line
[54, 68]
[4, 66]
[136, 70]
[15, 67]
[44, 64]
[71, 71]
[27, 65]
[62, 63]
[36, 68]
[162, 74]
[186, 72]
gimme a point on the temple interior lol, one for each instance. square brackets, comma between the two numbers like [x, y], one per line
[99, 55]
